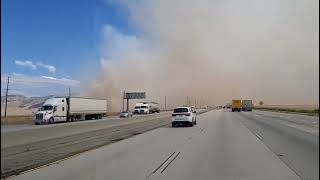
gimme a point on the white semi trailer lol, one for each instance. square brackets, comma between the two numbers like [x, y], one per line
[70, 109]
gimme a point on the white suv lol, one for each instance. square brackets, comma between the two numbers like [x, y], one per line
[183, 116]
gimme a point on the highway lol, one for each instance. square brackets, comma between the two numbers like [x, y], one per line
[17, 135]
[30, 148]
[223, 145]
[19, 127]
[294, 138]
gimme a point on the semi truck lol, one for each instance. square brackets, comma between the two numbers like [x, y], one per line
[236, 105]
[146, 108]
[247, 105]
[70, 109]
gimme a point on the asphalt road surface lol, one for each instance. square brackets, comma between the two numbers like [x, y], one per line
[293, 137]
[223, 146]
[30, 148]
[20, 127]
[18, 135]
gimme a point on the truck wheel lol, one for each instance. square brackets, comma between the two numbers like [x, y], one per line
[51, 120]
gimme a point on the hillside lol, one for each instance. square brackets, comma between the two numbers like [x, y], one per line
[22, 105]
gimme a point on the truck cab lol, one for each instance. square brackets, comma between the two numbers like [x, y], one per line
[53, 110]
[141, 108]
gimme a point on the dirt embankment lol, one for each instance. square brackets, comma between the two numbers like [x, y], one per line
[310, 110]
[19, 119]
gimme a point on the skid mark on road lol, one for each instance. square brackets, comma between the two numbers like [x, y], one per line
[165, 164]
[170, 162]
[258, 135]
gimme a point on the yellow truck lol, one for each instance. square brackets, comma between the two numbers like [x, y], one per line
[236, 105]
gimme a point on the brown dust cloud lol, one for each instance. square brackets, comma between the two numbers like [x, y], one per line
[212, 51]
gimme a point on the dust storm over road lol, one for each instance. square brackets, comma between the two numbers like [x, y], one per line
[213, 51]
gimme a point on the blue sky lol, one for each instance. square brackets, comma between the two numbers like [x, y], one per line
[54, 40]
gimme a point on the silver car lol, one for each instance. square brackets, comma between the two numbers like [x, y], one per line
[125, 114]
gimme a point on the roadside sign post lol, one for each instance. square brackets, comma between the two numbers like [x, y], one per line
[165, 103]
[132, 95]
[123, 101]
[127, 105]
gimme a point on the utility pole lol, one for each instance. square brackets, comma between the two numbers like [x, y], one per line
[187, 101]
[69, 92]
[5, 111]
[165, 103]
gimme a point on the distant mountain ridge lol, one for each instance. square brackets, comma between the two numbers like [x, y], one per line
[22, 105]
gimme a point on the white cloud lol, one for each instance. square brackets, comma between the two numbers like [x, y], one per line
[30, 64]
[26, 64]
[62, 80]
[48, 77]
[50, 68]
